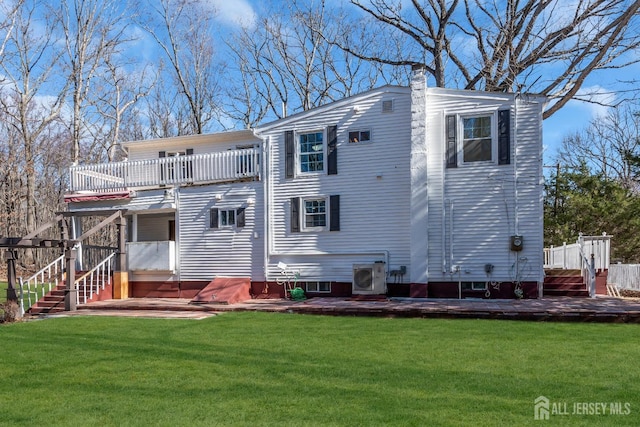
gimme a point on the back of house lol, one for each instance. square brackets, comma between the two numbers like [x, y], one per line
[398, 191]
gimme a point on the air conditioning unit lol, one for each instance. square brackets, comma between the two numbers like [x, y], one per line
[369, 279]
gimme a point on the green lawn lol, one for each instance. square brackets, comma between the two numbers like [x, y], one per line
[286, 369]
[3, 292]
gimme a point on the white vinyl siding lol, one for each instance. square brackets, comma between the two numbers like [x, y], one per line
[228, 251]
[474, 210]
[369, 175]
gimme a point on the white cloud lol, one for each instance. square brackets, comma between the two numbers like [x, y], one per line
[594, 100]
[234, 12]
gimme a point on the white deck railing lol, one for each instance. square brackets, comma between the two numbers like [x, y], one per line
[121, 176]
[38, 285]
[95, 281]
[569, 257]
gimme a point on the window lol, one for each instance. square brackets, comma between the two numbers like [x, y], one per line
[176, 169]
[474, 286]
[246, 163]
[359, 136]
[227, 218]
[318, 286]
[311, 150]
[315, 213]
[477, 139]
[387, 106]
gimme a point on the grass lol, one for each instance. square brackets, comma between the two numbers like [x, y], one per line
[3, 291]
[278, 369]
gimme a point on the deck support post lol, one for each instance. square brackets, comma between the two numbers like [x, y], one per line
[10, 256]
[121, 274]
[70, 292]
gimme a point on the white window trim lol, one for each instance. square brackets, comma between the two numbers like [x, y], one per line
[317, 286]
[298, 154]
[494, 137]
[303, 222]
[360, 130]
[229, 226]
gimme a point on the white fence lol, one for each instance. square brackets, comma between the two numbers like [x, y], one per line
[120, 176]
[625, 276]
[571, 256]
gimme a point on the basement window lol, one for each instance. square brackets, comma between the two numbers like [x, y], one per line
[474, 286]
[318, 286]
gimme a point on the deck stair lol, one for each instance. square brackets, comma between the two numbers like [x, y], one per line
[52, 302]
[225, 290]
[564, 283]
[89, 288]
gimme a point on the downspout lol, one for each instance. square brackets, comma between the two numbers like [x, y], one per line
[176, 199]
[266, 171]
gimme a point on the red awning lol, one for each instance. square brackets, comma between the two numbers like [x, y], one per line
[94, 197]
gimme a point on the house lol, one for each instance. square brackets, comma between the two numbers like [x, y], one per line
[400, 191]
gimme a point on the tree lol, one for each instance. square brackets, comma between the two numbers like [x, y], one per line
[287, 63]
[608, 146]
[183, 30]
[93, 32]
[546, 47]
[577, 201]
[28, 108]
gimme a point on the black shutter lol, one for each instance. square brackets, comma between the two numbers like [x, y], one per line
[504, 137]
[288, 154]
[213, 218]
[240, 217]
[452, 148]
[332, 150]
[162, 154]
[295, 214]
[334, 213]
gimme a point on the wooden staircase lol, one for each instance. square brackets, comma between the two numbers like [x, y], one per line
[564, 283]
[52, 302]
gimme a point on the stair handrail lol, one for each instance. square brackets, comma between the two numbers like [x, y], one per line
[98, 277]
[39, 283]
[588, 269]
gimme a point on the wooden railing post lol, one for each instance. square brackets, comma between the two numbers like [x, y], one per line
[70, 297]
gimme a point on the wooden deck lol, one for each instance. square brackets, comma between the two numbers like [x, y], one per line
[566, 309]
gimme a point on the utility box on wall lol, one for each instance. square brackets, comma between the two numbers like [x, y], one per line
[517, 242]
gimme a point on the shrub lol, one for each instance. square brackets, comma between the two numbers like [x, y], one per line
[11, 312]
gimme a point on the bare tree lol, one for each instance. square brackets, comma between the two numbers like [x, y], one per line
[116, 92]
[546, 47]
[607, 146]
[27, 105]
[93, 32]
[183, 29]
[287, 63]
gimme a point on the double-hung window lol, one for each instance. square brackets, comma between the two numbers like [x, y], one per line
[315, 213]
[477, 139]
[311, 152]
